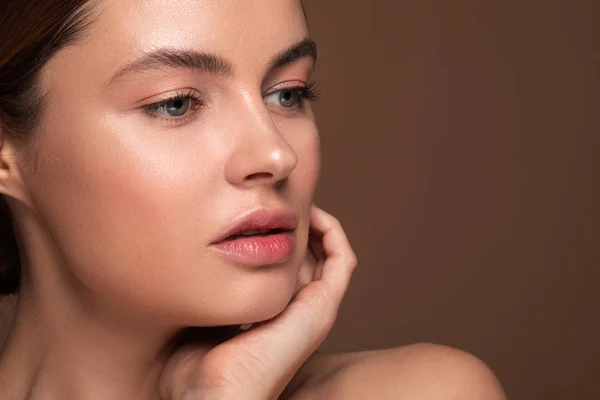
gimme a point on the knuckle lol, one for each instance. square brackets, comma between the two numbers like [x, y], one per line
[337, 224]
[317, 301]
[351, 260]
[333, 221]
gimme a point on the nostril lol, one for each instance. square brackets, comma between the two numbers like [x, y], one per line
[259, 175]
[280, 183]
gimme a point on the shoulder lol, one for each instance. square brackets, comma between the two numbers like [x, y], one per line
[418, 371]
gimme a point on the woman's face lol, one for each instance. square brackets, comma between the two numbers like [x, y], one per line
[134, 191]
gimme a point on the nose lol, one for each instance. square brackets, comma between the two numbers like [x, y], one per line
[261, 156]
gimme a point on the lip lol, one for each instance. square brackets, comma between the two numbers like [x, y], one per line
[257, 250]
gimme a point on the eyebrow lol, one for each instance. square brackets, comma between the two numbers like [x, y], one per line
[206, 62]
[302, 49]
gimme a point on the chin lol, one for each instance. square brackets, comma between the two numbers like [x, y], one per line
[264, 306]
[261, 300]
[260, 297]
[234, 295]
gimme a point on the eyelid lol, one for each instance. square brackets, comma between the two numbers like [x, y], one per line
[166, 96]
[307, 91]
[285, 85]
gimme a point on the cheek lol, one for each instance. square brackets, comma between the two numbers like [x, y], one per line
[125, 208]
[132, 211]
[304, 138]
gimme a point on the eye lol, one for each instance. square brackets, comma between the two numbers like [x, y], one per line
[175, 108]
[292, 97]
[287, 98]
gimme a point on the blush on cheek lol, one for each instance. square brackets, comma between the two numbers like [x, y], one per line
[112, 205]
[309, 161]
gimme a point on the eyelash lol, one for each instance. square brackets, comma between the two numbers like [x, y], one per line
[307, 92]
[191, 95]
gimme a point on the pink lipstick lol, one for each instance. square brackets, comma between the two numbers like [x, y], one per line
[261, 237]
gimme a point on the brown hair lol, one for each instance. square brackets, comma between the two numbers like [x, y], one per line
[32, 31]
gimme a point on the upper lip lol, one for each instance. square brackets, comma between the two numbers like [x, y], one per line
[262, 218]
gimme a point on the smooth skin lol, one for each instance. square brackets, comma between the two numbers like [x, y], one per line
[118, 196]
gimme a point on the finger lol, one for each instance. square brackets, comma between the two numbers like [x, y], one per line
[340, 258]
[310, 270]
[315, 244]
[306, 272]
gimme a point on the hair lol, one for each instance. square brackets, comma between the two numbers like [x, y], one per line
[32, 31]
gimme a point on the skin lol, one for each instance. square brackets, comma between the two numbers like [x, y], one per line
[116, 210]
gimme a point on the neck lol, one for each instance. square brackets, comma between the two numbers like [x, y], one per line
[64, 354]
[67, 342]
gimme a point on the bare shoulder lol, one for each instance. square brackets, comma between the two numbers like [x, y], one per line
[419, 371]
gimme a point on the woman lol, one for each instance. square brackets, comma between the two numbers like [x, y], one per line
[159, 160]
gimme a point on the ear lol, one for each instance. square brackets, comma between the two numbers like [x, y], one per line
[11, 181]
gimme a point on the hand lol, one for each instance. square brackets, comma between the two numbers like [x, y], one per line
[260, 362]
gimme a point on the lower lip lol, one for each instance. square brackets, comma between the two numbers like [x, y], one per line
[259, 250]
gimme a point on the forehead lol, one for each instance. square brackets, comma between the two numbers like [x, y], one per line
[247, 32]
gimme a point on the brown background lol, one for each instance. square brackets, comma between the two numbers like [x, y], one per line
[461, 143]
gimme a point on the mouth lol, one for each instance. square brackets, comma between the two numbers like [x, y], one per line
[256, 233]
[261, 237]
[260, 222]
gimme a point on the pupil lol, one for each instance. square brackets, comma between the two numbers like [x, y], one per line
[287, 98]
[177, 107]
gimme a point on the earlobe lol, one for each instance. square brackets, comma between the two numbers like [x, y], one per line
[11, 182]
